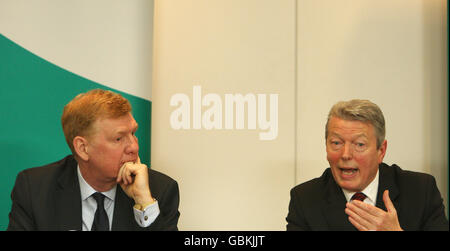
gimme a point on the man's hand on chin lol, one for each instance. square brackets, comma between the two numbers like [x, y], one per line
[133, 178]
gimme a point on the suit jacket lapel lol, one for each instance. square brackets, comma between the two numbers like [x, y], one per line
[334, 206]
[68, 198]
[387, 182]
[123, 218]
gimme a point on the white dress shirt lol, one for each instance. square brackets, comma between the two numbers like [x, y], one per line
[89, 206]
[370, 191]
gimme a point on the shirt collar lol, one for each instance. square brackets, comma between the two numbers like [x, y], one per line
[87, 190]
[370, 191]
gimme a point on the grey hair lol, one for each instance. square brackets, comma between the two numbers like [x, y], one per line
[360, 110]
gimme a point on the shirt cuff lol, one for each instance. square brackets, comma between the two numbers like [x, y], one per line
[146, 217]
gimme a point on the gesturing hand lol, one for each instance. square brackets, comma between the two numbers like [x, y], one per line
[367, 217]
[133, 178]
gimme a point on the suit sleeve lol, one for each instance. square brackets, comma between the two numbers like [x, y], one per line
[295, 219]
[435, 212]
[168, 201]
[20, 217]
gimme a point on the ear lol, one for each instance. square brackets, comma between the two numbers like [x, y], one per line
[80, 146]
[382, 151]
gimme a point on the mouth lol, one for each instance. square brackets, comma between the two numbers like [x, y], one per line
[124, 162]
[348, 172]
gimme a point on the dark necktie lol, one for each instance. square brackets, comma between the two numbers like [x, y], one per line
[101, 222]
[358, 196]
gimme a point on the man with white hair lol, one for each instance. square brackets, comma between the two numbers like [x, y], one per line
[359, 191]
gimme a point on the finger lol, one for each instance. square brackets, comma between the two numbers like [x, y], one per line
[367, 212]
[357, 224]
[131, 171]
[138, 161]
[123, 186]
[124, 175]
[129, 174]
[119, 175]
[387, 202]
[354, 211]
[357, 220]
[369, 209]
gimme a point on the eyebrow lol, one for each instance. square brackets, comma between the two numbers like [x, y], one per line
[120, 131]
[354, 137]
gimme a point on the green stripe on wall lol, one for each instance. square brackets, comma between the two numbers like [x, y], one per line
[33, 93]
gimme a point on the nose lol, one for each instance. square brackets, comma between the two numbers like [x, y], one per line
[133, 147]
[348, 152]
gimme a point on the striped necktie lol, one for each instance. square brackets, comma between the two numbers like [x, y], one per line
[358, 196]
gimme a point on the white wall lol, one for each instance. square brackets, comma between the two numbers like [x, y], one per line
[229, 179]
[312, 53]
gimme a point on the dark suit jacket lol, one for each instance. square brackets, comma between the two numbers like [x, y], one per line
[49, 198]
[319, 204]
